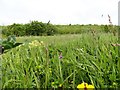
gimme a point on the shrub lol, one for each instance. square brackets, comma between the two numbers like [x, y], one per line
[50, 29]
[14, 29]
[34, 28]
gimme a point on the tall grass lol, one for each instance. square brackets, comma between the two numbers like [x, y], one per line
[84, 58]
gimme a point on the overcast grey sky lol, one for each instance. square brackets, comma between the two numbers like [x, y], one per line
[58, 11]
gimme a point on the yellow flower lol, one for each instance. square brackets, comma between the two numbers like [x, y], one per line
[53, 83]
[82, 86]
[60, 85]
[90, 87]
[85, 86]
[35, 43]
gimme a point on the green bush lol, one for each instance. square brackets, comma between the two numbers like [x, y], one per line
[33, 28]
[50, 29]
[14, 29]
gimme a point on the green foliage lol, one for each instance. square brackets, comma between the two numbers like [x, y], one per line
[50, 29]
[9, 43]
[78, 29]
[33, 28]
[85, 58]
[15, 29]
[106, 28]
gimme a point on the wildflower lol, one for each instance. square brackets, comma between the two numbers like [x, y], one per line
[82, 86]
[85, 86]
[53, 83]
[60, 55]
[36, 43]
[90, 87]
[60, 85]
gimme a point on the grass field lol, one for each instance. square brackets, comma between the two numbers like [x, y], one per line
[62, 61]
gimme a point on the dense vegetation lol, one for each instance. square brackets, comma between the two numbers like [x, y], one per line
[62, 61]
[78, 29]
[8, 43]
[87, 53]
[35, 28]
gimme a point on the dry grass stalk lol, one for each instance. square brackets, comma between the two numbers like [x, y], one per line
[112, 27]
[115, 44]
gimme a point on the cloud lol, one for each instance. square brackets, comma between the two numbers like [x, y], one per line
[58, 11]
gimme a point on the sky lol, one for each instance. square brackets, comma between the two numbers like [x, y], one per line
[59, 11]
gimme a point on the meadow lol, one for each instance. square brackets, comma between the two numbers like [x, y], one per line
[62, 61]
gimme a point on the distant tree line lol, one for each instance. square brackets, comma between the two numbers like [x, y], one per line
[34, 28]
